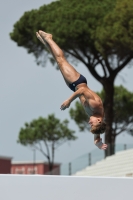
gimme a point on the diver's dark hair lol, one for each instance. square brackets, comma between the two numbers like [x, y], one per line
[99, 129]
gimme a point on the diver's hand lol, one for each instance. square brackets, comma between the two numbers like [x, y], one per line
[65, 105]
[100, 145]
[104, 146]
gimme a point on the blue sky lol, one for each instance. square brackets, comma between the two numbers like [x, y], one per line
[28, 91]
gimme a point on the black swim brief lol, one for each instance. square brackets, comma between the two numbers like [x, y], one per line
[81, 79]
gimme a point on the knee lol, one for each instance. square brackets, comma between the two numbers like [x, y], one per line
[61, 59]
[60, 55]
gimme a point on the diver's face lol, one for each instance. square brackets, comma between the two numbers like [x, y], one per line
[94, 121]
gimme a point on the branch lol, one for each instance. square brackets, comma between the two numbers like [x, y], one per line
[40, 149]
[83, 50]
[47, 148]
[100, 61]
[89, 66]
[121, 130]
[97, 57]
[123, 65]
[53, 148]
[76, 55]
[59, 144]
[108, 66]
[95, 74]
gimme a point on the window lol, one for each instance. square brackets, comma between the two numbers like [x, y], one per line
[32, 170]
[20, 170]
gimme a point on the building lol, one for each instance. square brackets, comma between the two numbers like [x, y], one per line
[5, 165]
[39, 167]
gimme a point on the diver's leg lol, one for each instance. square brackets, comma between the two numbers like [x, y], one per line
[68, 71]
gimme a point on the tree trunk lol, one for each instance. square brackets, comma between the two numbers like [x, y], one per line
[51, 161]
[50, 168]
[50, 164]
[108, 106]
[111, 147]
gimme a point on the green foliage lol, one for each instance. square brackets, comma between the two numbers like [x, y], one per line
[45, 129]
[72, 23]
[105, 26]
[123, 111]
[116, 31]
[49, 132]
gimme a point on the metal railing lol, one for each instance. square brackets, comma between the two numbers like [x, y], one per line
[87, 159]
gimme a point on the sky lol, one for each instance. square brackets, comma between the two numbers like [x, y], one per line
[28, 91]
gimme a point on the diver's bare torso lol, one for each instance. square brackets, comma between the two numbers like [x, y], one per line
[91, 102]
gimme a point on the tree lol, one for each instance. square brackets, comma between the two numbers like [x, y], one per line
[97, 33]
[46, 131]
[122, 110]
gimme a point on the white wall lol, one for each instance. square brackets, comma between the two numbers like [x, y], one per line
[37, 187]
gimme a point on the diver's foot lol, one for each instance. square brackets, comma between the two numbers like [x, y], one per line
[45, 36]
[40, 38]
